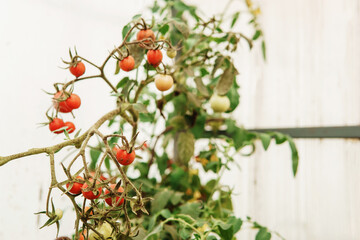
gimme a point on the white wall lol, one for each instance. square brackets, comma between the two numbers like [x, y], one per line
[311, 78]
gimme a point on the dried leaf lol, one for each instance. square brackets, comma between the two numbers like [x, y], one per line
[201, 87]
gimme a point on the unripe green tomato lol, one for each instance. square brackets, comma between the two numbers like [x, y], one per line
[105, 229]
[171, 53]
[219, 103]
[59, 213]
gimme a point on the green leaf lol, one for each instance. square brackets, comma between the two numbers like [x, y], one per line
[263, 48]
[164, 29]
[186, 218]
[201, 87]
[235, 18]
[239, 138]
[125, 30]
[185, 233]
[137, 16]
[162, 163]
[185, 143]
[176, 198]
[165, 213]
[265, 140]
[122, 82]
[294, 155]
[154, 233]
[236, 223]
[107, 163]
[147, 117]
[182, 27]
[171, 229]
[263, 234]
[194, 101]
[141, 108]
[191, 209]
[257, 34]
[137, 53]
[218, 63]
[234, 97]
[226, 80]
[94, 154]
[161, 198]
[177, 122]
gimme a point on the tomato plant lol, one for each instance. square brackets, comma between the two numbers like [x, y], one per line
[187, 136]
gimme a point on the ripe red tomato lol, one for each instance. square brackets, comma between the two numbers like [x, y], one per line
[89, 194]
[117, 202]
[55, 124]
[70, 127]
[120, 154]
[78, 69]
[127, 64]
[60, 103]
[102, 178]
[154, 57]
[163, 82]
[76, 187]
[73, 101]
[145, 33]
[115, 149]
[125, 158]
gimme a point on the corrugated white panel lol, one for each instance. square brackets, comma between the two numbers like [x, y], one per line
[311, 78]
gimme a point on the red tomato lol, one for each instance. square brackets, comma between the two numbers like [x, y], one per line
[102, 178]
[145, 33]
[78, 69]
[73, 101]
[60, 102]
[70, 127]
[154, 57]
[55, 124]
[125, 158]
[89, 194]
[120, 155]
[127, 64]
[76, 187]
[117, 202]
[115, 149]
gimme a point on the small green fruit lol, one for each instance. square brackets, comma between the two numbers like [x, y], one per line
[219, 103]
[171, 53]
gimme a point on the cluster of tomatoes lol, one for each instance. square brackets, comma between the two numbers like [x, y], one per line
[66, 102]
[163, 82]
[78, 187]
